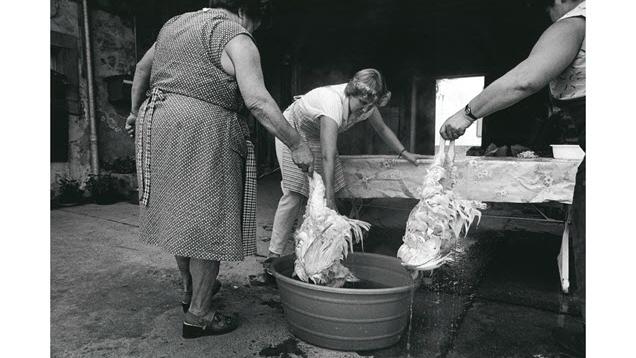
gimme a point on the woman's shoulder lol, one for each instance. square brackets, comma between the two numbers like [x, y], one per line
[578, 11]
[332, 92]
[324, 96]
[323, 101]
[184, 18]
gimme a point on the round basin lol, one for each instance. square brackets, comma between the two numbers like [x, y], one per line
[348, 318]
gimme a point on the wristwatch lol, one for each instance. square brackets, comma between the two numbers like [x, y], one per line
[469, 113]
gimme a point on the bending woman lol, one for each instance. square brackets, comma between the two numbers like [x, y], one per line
[319, 116]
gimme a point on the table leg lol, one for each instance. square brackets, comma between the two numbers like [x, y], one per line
[563, 260]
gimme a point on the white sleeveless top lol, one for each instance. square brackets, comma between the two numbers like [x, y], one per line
[570, 84]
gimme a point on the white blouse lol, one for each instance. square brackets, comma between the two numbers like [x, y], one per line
[329, 101]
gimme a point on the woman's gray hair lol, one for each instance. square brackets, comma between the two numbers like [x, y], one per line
[255, 9]
[370, 85]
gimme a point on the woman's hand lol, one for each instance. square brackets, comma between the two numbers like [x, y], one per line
[410, 157]
[455, 126]
[302, 157]
[130, 124]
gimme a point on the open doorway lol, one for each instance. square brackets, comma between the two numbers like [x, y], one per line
[451, 95]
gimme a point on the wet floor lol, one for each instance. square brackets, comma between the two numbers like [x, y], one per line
[112, 296]
[501, 298]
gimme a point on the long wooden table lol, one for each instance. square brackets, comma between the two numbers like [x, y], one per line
[490, 179]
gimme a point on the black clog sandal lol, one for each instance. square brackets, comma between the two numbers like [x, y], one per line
[217, 324]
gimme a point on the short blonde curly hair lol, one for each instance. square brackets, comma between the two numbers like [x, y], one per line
[370, 85]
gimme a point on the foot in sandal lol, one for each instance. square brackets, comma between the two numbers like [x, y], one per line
[187, 296]
[212, 324]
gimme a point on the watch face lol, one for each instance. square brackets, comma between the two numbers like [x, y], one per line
[468, 112]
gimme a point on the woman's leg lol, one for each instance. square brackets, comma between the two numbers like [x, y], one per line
[204, 274]
[289, 205]
[201, 320]
[183, 263]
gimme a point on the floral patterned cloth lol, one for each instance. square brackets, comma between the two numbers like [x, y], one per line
[493, 179]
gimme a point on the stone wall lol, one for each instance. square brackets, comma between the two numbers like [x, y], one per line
[113, 45]
[113, 55]
[65, 22]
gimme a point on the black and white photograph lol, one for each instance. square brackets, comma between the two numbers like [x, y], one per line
[322, 178]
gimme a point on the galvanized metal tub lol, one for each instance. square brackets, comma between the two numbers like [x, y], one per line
[348, 318]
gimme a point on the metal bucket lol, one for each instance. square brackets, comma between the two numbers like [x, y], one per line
[348, 318]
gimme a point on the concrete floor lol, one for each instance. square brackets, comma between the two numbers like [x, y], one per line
[112, 296]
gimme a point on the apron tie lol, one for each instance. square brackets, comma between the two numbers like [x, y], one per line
[249, 202]
[143, 143]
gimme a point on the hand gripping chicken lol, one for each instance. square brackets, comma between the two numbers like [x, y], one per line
[324, 240]
[439, 218]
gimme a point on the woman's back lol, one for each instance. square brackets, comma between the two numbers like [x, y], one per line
[191, 144]
[188, 58]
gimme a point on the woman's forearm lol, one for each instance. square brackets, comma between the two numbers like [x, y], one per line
[511, 88]
[141, 80]
[266, 111]
[328, 169]
[391, 140]
[328, 150]
[385, 133]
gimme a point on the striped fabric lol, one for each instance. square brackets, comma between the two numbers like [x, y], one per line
[295, 179]
[249, 202]
[142, 149]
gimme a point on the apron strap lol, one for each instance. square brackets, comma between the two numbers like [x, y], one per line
[143, 147]
[249, 202]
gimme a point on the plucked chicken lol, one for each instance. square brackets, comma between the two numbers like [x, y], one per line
[439, 219]
[324, 240]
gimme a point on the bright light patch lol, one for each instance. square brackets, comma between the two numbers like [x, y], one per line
[451, 95]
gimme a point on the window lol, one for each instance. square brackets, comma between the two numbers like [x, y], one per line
[65, 100]
[451, 95]
[59, 118]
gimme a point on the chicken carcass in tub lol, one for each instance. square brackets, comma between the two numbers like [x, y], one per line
[439, 219]
[324, 239]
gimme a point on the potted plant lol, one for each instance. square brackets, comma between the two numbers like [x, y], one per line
[69, 191]
[103, 188]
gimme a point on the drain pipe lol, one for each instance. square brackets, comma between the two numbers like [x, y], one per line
[91, 90]
[413, 117]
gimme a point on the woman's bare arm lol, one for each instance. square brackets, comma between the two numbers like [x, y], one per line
[141, 83]
[329, 148]
[141, 80]
[554, 51]
[389, 137]
[247, 68]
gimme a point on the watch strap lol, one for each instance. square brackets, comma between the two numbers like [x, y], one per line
[469, 113]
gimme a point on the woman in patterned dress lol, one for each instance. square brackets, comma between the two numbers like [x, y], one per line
[195, 164]
[558, 61]
[319, 116]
